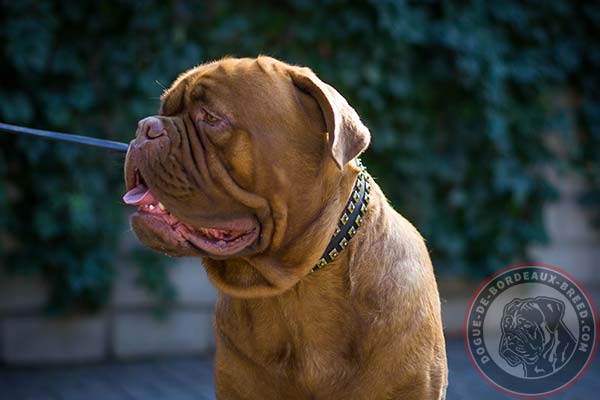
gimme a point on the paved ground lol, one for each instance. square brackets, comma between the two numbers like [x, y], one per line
[191, 378]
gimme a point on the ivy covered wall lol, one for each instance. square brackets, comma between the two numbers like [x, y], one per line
[462, 99]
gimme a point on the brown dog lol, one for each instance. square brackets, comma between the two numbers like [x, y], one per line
[250, 164]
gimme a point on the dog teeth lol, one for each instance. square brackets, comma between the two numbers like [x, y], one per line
[161, 206]
[151, 207]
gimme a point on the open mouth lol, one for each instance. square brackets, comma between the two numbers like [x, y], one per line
[223, 239]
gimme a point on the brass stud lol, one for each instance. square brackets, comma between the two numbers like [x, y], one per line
[344, 219]
[351, 231]
[362, 187]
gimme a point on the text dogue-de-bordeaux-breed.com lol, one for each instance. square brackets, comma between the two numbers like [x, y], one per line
[325, 292]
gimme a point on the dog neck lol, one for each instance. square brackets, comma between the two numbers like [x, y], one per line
[288, 319]
[350, 220]
[329, 228]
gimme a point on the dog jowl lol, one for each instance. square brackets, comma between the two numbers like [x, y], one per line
[324, 290]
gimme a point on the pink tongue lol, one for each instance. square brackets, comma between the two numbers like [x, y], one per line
[139, 195]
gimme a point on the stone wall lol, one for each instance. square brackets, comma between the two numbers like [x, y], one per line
[127, 329]
[574, 246]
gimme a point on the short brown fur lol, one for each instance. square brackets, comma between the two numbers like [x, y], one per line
[368, 325]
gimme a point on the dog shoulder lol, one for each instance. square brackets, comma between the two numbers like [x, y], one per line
[394, 268]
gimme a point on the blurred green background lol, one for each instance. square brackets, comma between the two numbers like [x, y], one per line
[470, 105]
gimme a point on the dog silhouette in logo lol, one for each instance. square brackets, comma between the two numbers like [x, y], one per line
[535, 336]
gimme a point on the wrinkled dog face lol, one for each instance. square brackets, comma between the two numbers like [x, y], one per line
[523, 333]
[531, 329]
[207, 173]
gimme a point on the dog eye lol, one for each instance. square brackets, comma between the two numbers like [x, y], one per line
[209, 118]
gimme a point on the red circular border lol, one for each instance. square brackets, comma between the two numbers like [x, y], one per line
[596, 339]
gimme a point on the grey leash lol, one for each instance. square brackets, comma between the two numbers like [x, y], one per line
[106, 144]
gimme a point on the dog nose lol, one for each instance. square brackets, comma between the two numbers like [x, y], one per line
[150, 128]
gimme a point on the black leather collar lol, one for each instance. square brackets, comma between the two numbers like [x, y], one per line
[350, 220]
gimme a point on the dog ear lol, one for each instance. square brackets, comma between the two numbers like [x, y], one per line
[172, 99]
[552, 309]
[347, 135]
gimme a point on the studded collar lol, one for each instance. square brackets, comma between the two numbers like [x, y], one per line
[350, 220]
